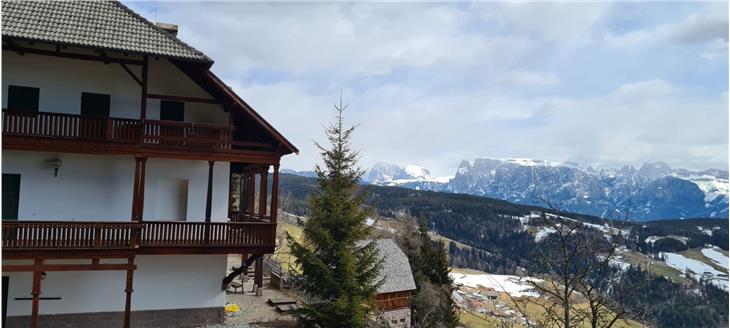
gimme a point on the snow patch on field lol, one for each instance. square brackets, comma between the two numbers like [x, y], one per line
[513, 285]
[543, 232]
[697, 269]
[716, 256]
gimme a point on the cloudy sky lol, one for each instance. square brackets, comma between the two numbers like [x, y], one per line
[432, 83]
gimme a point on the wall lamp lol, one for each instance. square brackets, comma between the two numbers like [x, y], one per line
[56, 164]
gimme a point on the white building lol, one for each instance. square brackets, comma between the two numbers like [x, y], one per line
[129, 172]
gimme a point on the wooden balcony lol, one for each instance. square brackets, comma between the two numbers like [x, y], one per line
[148, 133]
[25, 239]
[45, 131]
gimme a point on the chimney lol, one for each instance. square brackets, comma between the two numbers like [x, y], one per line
[169, 28]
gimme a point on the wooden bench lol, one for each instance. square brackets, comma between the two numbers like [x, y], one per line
[236, 286]
[281, 301]
[284, 308]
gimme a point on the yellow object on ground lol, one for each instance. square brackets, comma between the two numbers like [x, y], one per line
[232, 308]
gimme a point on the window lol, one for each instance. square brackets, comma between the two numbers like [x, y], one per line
[11, 196]
[95, 104]
[172, 110]
[23, 98]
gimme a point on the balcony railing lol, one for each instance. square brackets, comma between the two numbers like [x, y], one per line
[172, 234]
[72, 235]
[149, 235]
[152, 133]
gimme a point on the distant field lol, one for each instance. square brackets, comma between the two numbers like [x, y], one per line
[436, 236]
[282, 253]
[532, 310]
[658, 268]
[696, 254]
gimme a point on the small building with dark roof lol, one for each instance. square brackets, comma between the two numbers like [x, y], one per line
[394, 294]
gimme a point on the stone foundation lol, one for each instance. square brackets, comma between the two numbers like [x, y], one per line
[400, 318]
[176, 318]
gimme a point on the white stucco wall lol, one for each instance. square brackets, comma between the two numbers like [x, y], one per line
[99, 188]
[160, 282]
[62, 80]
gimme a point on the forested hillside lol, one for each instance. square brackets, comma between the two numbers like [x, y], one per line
[503, 239]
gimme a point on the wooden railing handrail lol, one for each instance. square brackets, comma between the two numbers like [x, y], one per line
[190, 124]
[32, 113]
[24, 222]
[147, 133]
[130, 235]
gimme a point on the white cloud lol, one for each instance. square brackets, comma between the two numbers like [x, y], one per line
[522, 77]
[558, 22]
[709, 26]
[346, 39]
[433, 84]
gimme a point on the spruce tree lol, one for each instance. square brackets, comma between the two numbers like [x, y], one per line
[338, 269]
[431, 306]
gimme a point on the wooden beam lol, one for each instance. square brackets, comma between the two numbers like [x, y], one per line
[141, 188]
[135, 190]
[138, 192]
[209, 194]
[36, 291]
[183, 98]
[128, 291]
[275, 194]
[262, 192]
[143, 104]
[67, 267]
[136, 79]
[258, 275]
[13, 46]
[24, 50]
[251, 190]
[244, 265]
[30, 143]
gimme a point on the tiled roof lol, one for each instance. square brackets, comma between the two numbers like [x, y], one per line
[105, 25]
[396, 273]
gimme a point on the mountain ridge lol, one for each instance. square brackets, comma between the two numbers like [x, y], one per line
[653, 191]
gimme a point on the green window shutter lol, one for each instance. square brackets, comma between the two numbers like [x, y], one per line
[11, 196]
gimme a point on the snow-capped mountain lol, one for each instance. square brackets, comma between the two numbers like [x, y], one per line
[654, 191]
[388, 174]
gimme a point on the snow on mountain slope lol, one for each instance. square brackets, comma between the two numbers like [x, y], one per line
[655, 190]
[696, 269]
[712, 186]
[513, 285]
[418, 172]
[393, 175]
[716, 256]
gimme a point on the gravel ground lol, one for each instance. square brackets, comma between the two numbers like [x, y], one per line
[234, 325]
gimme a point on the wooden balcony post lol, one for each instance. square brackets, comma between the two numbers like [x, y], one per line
[208, 201]
[251, 193]
[258, 274]
[275, 194]
[38, 263]
[241, 199]
[141, 188]
[209, 195]
[109, 129]
[135, 189]
[128, 290]
[138, 191]
[262, 192]
[143, 104]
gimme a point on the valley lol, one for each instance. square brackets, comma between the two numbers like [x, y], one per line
[499, 238]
